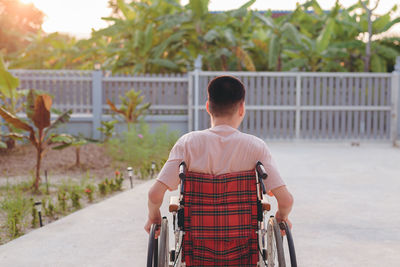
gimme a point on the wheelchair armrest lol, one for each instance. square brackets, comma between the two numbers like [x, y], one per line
[265, 205]
[173, 204]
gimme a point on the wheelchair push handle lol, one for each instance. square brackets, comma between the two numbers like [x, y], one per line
[182, 175]
[262, 175]
[261, 170]
[182, 170]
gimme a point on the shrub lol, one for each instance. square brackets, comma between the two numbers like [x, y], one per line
[34, 213]
[103, 188]
[62, 200]
[75, 198]
[16, 208]
[89, 192]
[118, 180]
[138, 147]
[48, 207]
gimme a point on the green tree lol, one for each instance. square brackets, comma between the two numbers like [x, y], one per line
[17, 22]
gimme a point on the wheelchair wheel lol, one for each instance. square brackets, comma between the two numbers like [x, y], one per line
[163, 252]
[275, 254]
[290, 244]
[152, 251]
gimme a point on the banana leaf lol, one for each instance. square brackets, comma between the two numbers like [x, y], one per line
[63, 118]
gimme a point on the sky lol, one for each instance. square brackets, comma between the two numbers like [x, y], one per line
[78, 17]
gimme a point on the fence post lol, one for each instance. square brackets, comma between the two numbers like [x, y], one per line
[97, 102]
[298, 105]
[197, 69]
[190, 101]
[395, 124]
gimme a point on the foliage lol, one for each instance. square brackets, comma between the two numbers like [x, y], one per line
[131, 108]
[17, 22]
[62, 200]
[48, 207]
[138, 147]
[34, 213]
[10, 98]
[66, 140]
[16, 208]
[108, 129]
[119, 179]
[103, 187]
[75, 198]
[38, 112]
[165, 36]
[89, 190]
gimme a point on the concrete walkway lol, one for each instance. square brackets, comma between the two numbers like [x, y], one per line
[346, 214]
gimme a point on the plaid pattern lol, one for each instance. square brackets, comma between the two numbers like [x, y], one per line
[220, 219]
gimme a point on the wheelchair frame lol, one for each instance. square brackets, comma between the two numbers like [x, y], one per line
[270, 240]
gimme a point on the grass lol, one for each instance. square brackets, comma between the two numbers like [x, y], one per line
[18, 214]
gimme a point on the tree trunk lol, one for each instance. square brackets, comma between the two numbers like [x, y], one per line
[38, 163]
[77, 154]
[279, 67]
[368, 46]
[10, 143]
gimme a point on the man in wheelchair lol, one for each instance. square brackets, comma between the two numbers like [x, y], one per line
[219, 171]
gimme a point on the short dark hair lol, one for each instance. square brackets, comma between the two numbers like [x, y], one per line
[225, 93]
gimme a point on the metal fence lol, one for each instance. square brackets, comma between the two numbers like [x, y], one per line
[280, 105]
[319, 106]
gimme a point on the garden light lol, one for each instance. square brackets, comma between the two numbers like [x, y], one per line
[153, 166]
[38, 205]
[130, 174]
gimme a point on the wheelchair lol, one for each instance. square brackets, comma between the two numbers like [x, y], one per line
[221, 220]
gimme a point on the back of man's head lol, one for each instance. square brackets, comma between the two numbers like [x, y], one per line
[225, 93]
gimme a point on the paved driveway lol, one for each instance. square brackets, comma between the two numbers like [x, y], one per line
[346, 213]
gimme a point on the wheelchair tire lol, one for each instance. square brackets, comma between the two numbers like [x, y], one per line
[163, 252]
[275, 254]
[152, 250]
[290, 243]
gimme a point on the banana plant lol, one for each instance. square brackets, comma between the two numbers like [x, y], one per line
[66, 140]
[38, 128]
[131, 107]
[280, 32]
[373, 27]
[10, 98]
[317, 50]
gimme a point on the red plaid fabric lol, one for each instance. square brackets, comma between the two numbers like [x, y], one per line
[220, 219]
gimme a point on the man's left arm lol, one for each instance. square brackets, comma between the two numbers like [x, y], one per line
[156, 197]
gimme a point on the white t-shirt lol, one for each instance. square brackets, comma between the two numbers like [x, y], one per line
[219, 150]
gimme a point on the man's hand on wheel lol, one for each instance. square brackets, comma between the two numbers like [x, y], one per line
[279, 220]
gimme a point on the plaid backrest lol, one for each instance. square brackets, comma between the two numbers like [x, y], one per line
[220, 219]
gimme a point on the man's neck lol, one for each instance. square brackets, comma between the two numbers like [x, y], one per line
[224, 121]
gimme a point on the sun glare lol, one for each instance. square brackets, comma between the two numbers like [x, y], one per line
[27, 1]
[76, 17]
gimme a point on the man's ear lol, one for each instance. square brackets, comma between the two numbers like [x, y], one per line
[208, 108]
[242, 109]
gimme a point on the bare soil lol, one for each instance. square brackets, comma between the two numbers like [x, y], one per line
[19, 165]
[21, 161]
